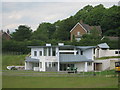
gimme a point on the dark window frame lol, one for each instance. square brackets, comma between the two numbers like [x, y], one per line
[35, 53]
[116, 52]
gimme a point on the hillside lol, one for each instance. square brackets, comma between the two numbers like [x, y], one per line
[107, 18]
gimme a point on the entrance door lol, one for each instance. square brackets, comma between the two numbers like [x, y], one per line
[98, 66]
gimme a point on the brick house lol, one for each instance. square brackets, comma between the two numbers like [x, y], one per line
[5, 35]
[80, 29]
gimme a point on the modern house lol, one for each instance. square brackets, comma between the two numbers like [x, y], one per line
[80, 29]
[103, 50]
[61, 57]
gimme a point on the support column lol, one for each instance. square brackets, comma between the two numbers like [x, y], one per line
[85, 66]
[47, 52]
[58, 66]
[42, 51]
[57, 51]
[39, 66]
[92, 66]
[74, 51]
[51, 51]
[25, 66]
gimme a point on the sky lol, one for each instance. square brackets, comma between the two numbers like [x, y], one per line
[33, 13]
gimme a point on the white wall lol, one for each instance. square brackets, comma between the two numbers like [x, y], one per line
[88, 53]
[81, 67]
[90, 68]
[28, 66]
[105, 64]
[35, 49]
[105, 53]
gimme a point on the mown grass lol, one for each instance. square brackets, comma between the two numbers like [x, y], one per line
[106, 72]
[59, 82]
[12, 60]
[10, 80]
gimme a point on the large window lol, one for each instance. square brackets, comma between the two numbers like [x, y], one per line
[53, 51]
[35, 53]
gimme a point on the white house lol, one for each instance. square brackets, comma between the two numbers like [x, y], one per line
[103, 50]
[60, 57]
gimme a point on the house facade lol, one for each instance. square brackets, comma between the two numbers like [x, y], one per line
[80, 29]
[5, 35]
[60, 57]
[103, 50]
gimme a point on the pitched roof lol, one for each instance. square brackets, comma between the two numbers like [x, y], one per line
[85, 47]
[103, 45]
[2, 33]
[79, 25]
[73, 58]
[87, 27]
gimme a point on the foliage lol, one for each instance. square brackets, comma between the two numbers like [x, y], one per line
[8, 60]
[44, 32]
[22, 33]
[107, 18]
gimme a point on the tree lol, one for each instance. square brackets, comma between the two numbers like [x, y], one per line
[22, 33]
[44, 32]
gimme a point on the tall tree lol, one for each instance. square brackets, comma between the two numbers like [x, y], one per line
[22, 33]
[44, 32]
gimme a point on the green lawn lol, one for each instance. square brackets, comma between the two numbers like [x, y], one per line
[59, 82]
[31, 79]
[12, 60]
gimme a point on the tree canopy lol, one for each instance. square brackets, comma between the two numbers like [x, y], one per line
[22, 33]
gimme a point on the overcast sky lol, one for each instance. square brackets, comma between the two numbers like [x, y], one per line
[34, 13]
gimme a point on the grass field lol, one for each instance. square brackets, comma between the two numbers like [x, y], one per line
[35, 81]
[12, 60]
[31, 79]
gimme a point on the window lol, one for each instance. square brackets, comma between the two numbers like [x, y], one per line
[94, 50]
[53, 51]
[35, 64]
[45, 51]
[116, 52]
[40, 53]
[89, 64]
[35, 53]
[78, 33]
[81, 52]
